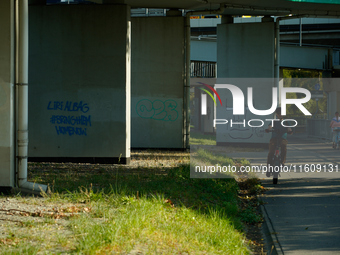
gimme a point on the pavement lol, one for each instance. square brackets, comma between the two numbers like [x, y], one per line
[302, 212]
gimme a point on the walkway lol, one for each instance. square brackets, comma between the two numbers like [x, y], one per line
[303, 210]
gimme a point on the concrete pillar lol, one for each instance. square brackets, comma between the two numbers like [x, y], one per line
[157, 84]
[245, 58]
[245, 50]
[79, 97]
[7, 67]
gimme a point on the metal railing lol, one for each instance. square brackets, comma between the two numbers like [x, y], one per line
[203, 69]
[319, 128]
[147, 12]
[336, 57]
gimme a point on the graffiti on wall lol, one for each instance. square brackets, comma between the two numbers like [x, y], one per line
[70, 124]
[157, 110]
[240, 131]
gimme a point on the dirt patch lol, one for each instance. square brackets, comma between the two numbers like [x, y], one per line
[34, 222]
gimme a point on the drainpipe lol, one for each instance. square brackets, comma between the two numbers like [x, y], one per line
[22, 99]
[186, 105]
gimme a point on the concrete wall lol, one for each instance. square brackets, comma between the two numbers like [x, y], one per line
[79, 75]
[245, 51]
[157, 82]
[7, 133]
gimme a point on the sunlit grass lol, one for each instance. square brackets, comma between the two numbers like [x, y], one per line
[197, 138]
[154, 226]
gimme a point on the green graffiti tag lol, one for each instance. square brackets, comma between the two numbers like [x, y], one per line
[157, 110]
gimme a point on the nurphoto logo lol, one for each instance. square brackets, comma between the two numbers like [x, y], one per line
[239, 104]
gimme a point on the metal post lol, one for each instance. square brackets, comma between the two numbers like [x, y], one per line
[300, 33]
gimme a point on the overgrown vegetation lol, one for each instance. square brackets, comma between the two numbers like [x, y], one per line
[153, 210]
[304, 79]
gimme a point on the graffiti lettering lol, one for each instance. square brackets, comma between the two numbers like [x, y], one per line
[70, 130]
[157, 110]
[69, 124]
[240, 130]
[71, 120]
[68, 106]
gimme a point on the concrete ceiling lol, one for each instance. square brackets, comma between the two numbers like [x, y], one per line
[239, 7]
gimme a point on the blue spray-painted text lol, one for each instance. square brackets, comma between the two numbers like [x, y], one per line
[71, 120]
[68, 130]
[68, 106]
[70, 124]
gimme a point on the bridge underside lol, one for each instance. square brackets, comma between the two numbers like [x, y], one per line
[235, 7]
[95, 92]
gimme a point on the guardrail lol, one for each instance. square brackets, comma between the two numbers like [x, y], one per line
[147, 12]
[302, 124]
[319, 128]
[203, 69]
[336, 57]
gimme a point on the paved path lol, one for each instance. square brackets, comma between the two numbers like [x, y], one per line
[303, 209]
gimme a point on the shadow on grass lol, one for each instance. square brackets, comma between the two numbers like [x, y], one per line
[174, 184]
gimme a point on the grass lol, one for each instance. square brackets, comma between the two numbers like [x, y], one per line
[200, 139]
[197, 138]
[216, 158]
[157, 227]
[152, 210]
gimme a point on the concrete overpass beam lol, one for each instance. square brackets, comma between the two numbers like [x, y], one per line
[267, 19]
[227, 19]
[305, 57]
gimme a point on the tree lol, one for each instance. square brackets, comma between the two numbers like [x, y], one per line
[304, 79]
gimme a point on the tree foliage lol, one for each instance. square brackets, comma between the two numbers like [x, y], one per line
[304, 79]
